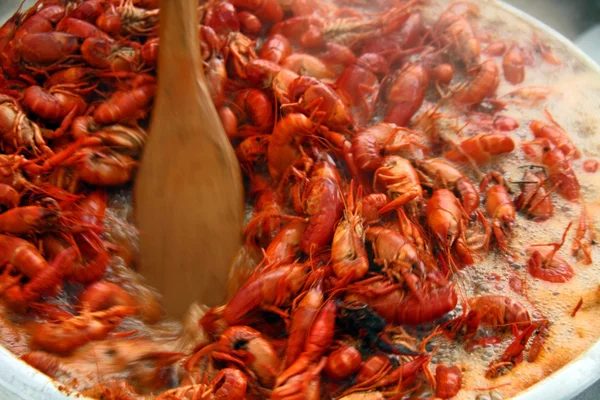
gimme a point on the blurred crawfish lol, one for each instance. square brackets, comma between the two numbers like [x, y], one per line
[17, 131]
[499, 207]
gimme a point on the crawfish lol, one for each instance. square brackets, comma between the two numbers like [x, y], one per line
[276, 48]
[534, 200]
[22, 255]
[560, 171]
[481, 148]
[557, 136]
[53, 104]
[285, 245]
[9, 197]
[404, 96]
[230, 384]
[437, 173]
[398, 308]
[397, 377]
[484, 84]
[401, 181]
[447, 220]
[454, 29]
[245, 347]
[274, 287]
[129, 140]
[496, 310]
[318, 99]
[256, 108]
[284, 145]
[307, 65]
[106, 54]
[81, 29]
[45, 283]
[29, 219]
[348, 253]
[585, 237]
[67, 335]
[544, 262]
[399, 258]
[268, 212]
[101, 167]
[448, 381]
[237, 52]
[359, 85]
[513, 64]
[367, 145]
[303, 316]
[133, 20]
[370, 206]
[499, 207]
[322, 202]
[124, 104]
[16, 129]
[46, 47]
[317, 342]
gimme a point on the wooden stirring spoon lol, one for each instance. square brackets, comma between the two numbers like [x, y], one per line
[189, 197]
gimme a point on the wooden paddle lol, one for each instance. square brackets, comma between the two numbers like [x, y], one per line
[189, 197]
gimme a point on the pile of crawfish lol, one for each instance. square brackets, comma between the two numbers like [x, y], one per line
[364, 207]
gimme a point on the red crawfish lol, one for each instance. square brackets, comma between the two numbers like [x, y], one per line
[584, 237]
[557, 136]
[499, 207]
[276, 286]
[405, 94]
[534, 199]
[343, 362]
[245, 347]
[284, 145]
[64, 336]
[276, 49]
[229, 383]
[437, 173]
[399, 308]
[317, 342]
[124, 104]
[359, 84]
[546, 264]
[454, 29]
[559, 168]
[107, 54]
[484, 84]
[53, 104]
[369, 145]
[319, 100]
[16, 129]
[302, 318]
[481, 148]
[401, 181]
[310, 66]
[46, 48]
[399, 258]
[513, 64]
[348, 253]
[448, 381]
[323, 204]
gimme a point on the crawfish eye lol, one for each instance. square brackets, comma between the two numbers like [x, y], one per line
[240, 344]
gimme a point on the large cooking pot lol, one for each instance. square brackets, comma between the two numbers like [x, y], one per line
[19, 381]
